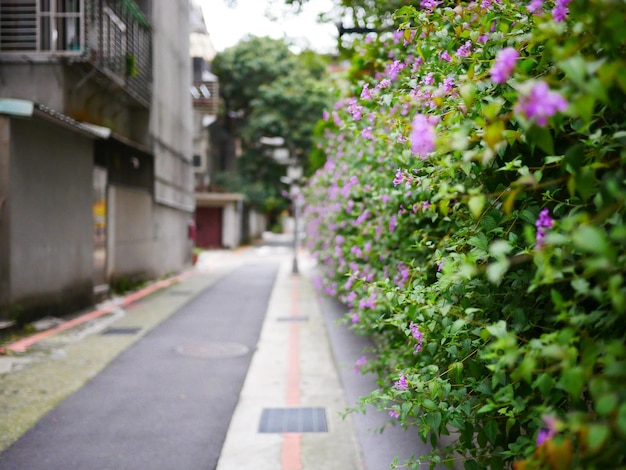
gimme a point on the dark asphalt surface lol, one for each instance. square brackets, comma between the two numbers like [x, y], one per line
[153, 407]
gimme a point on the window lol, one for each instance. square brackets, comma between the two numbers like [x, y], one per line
[41, 26]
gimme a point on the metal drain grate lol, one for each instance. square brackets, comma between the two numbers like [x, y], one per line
[279, 420]
[122, 330]
[294, 318]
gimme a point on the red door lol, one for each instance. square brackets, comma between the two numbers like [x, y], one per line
[209, 227]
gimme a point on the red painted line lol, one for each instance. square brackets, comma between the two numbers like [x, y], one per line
[292, 442]
[290, 458]
[22, 345]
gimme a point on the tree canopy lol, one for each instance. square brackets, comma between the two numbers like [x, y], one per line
[269, 91]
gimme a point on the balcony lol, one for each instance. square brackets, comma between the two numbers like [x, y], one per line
[205, 88]
[113, 36]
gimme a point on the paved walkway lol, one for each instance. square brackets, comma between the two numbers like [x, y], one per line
[238, 366]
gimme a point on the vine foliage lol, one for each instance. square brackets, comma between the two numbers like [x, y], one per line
[471, 214]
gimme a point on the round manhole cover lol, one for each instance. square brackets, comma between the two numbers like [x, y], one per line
[212, 350]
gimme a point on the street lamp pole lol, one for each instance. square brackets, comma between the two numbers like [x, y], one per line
[295, 229]
[283, 149]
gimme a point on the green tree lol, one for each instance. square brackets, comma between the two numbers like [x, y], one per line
[267, 91]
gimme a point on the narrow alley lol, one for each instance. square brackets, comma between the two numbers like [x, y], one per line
[239, 364]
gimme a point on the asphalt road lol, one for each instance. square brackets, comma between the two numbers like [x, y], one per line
[166, 401]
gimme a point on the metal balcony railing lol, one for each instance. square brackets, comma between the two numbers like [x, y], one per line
[112, 35]
[118, 42]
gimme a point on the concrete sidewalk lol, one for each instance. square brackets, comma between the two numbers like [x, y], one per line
[292, 373]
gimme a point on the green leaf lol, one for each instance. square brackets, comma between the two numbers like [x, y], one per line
[574, 158]
[493, 133]
[621, 419]
[457, 325]
[584, 107]
[468, 93]
[500, 248]
[591, 239]
[542, 138]
[544, 383]
[479, 241]
[606, 404]
[574, 68]
[434, 420]
[497, 329]
[486, 408]
[491, 431]
[597, 437]
[580, 285]
[497, 270]
[525, 369]
[471, 465]
[572, 381]
[488, 223]
[476, 204]
[585, 183]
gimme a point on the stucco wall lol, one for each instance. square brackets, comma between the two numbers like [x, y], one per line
[171, 120]
[257, 224]
[171, 128]
[131, 237]
[51, 219]
[39, 82]
[173, 247]
[146, 239]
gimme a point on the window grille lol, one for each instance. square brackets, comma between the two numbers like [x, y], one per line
[41, 26]
[112, 35]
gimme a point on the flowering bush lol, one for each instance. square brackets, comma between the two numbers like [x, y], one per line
[471, 215]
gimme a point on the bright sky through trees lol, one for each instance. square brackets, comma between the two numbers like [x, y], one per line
[227, 26]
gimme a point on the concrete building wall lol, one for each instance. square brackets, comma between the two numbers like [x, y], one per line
[51, 218]
[131, 233]
[231, 219]
[5, 242]
[40, 82]
[171, 119]
[257, 224]
[173, 249]
[171, 128]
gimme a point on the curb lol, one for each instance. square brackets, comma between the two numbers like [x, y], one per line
[22, 345]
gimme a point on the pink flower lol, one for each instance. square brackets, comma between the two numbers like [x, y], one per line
[429, 5]
[401, 384]
[541, 103]
[547, 432]
[543, 221]
[535, 7]
[392, 223]
[560, 10]
[445, 56]
[399, 178]
[394, 414]
[384, 83]
[394, 69]
[417, 336]
[366, 93]
[422, 136]
[464, 50]
[362, 361]
[504, 65]
[366, 133]
[428, 79]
